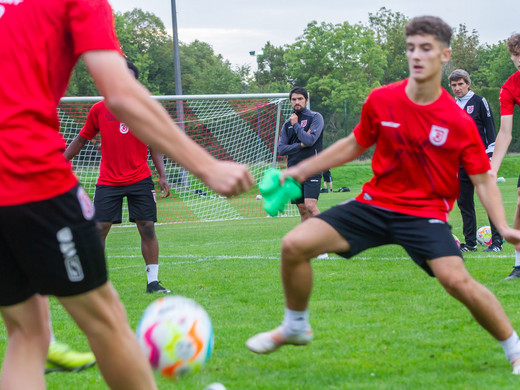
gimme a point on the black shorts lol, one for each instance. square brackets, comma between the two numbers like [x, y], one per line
[310, 189]
[108, 201]
[51, 247]
[365, 226]
[518, 184]
[327, 177]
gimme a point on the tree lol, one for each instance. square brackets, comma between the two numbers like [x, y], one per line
[336, 63]
[272, 74]
[389, 35]
[207, 73]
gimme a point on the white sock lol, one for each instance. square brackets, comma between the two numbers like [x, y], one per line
[152, 272]
[511, 347]
[296, 321]
[53, 339]
[517, 258]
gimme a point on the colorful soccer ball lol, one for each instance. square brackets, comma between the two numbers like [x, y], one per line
[484, 235]
[176, 336]
[456, 240]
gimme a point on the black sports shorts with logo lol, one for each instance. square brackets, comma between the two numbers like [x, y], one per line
[365, 226]
[50, 247]
[108, 201]
[310, 189]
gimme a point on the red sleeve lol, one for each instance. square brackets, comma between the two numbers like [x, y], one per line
[507, 101]
[366, 131]
[474, 158]
[91, 127]
[92, 26]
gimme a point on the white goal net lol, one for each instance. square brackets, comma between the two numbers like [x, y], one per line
[241, 128]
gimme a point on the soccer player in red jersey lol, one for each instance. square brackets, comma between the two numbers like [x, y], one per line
[124, 172]
[509, 96]
[421, 135]
[50, 244]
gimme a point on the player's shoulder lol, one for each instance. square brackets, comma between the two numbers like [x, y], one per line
[513, 82]
[388, 91]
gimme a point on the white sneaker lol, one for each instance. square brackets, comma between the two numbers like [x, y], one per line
[323, 256]
[268, 342]
[516, 367]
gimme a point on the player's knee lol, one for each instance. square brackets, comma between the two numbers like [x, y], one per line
[456, 284]
[291, 247]
[146, 229]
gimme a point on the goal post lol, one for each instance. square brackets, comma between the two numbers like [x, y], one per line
[242, 128]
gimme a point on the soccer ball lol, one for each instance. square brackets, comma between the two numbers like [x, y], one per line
[259, 197]
[176, 336]
[456, 240]
[484, 235]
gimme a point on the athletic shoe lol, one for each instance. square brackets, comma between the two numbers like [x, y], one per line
[515, 274]
[493, 248]
[516, 366]
[268, 342]
[51, 367]
[467, 248]
[62, 358]
[155, 287]
[323, 256]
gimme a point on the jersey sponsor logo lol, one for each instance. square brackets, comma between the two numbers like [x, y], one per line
[367, 196]
[70, 255]
[435, 221]
[438, 135]
[123, 128]
[390, 124]
[304, 123]
[86, 205]
[469, 109]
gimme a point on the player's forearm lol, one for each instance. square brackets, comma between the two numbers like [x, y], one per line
[340, 153]
[158, 162]
[75, 147]
[491, 199]
[502, 142]
[501, 145]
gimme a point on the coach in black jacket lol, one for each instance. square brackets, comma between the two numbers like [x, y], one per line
[478, 108]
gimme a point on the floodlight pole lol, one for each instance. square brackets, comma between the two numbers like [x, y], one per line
[178, 84]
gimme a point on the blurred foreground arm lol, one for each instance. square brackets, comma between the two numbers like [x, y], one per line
[131, 103]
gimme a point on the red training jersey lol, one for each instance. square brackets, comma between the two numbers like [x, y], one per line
[419, 149]
[41, 43]
[123, 156]
[510, 94]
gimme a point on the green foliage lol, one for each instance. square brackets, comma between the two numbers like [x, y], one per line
[145, 42]
[206, 73]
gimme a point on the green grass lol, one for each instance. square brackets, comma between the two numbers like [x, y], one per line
[379, 321]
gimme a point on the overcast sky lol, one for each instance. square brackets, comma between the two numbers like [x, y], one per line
[235, 27]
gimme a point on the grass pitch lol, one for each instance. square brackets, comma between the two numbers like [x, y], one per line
[379, 321]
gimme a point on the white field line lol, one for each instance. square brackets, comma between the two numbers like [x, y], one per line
[204, 259]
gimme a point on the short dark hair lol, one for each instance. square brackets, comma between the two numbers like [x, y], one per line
[429, 25]
[133, 68]
[458, 74]
[300, 91]
[513, 44]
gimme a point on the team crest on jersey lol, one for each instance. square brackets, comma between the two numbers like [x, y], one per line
[123, 128]
[469, 109]
[438, 135]
[304, 123]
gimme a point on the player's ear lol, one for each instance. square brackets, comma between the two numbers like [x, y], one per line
[446, 54]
